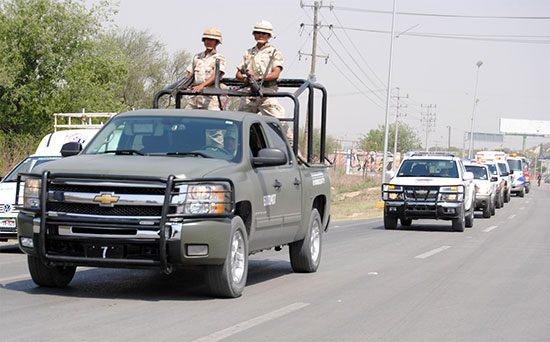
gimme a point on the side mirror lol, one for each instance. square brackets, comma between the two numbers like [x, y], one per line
[390, 174]
[269, 157]
[71, 149]
[468, 175]
[494, 179]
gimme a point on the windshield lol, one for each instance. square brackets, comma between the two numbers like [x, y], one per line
[502, 167]
[514, 164]
[479, 172]
[428, 168]
[26, 166]
[169, 136]
[493, 169]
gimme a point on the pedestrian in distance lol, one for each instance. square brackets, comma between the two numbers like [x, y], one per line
[202, 69]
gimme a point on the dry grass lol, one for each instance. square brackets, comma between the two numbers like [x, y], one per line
[13, 149]
[354, 197]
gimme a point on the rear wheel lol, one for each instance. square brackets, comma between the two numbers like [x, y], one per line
[49, 276]
[228, 280]
[406, 222]
[390, 222]
[305, 255]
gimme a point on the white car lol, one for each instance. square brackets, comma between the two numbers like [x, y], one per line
[49, 149]
[430, 186]
[486, 188]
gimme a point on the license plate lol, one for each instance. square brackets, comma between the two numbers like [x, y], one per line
[104, 251]
[8, 223]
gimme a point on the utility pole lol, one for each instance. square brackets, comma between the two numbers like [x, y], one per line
[317, 5]
[397, 115]
[429, 119]
[449, 139]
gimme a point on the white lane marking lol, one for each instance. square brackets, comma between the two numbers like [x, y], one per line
[3, 281]
[489, 229]
[511, 216]
[237, 328]
[521, 208]
[432, 252]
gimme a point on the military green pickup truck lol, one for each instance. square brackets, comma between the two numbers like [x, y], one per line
[170, 188]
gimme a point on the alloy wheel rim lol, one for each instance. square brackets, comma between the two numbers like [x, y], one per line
[237, 257]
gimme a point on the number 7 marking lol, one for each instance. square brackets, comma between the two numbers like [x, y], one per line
[104, 248]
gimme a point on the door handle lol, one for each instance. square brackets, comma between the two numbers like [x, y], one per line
[296, 182]
[277, 185]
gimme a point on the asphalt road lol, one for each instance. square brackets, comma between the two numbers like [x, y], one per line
[424, 283]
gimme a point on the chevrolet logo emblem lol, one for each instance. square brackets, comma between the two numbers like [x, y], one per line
[106, 199]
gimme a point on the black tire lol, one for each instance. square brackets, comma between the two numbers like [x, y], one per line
[487, 210]
[406, 222]
[527, 189]
[493, 207]
[390, 222]
[459, 222]
[469, 219]
[49, 276]
[507, 196]
[229, 279]
[305, 255]
[522, 193]
[499, 201]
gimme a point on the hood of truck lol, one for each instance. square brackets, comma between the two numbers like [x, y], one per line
[426, 181]
[153, 166]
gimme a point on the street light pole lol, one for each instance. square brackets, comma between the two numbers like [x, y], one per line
[388, 94]
[476, 100]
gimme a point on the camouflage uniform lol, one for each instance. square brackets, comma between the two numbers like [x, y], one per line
[202, 68]
[257, 61]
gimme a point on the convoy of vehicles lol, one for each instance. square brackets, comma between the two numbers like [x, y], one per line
[154, 190]
[437, 185]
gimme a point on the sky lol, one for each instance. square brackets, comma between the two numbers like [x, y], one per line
[435, 52]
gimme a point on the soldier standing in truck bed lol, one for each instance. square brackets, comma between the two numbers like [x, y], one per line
[202, 69]
[256, 62]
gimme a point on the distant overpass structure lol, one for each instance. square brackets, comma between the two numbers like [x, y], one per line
[525, 128]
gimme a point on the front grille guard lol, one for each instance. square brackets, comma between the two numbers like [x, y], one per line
[170, 183]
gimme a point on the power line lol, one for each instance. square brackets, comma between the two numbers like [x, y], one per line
[443, 15]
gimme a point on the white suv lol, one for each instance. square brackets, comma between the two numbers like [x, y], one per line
[486, 188]
[430, 186]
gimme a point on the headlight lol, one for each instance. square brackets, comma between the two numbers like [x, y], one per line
[392, 196]
[207, 199]
[31, 193]
[456, 188]
[450, 197]
[483, 190]
[395, 188]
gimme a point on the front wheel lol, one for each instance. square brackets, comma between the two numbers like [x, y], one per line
[522, 193]
[228, 280]
[390, 222]
[459, 222]
[487, 210]
[493, 206]
[305, 255]
[49, 276]
[406, 222]
[469, 220]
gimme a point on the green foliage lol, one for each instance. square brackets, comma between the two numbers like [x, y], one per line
[40, 41]
[330, 143]
[407, 139]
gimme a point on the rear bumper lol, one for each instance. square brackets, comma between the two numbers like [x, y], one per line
[423, 210]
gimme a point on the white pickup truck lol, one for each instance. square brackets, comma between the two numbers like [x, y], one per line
[430, 186]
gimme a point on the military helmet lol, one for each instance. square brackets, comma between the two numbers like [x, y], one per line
[212, 33]
[264, 26]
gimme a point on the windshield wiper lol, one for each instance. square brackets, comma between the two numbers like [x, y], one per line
[125, 152]
[196, 154]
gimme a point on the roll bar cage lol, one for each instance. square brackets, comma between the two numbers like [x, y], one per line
[235, 88]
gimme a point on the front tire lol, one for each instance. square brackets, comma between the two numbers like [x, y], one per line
[459, 222]
[493, 207]
[406, 222]
[487, 210]
[49, 276]
[305, 255]
[229, 279]
[469, 220]
[390, 222]
[522, 193]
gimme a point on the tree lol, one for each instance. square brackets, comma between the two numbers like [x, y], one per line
[407, 139]
[330, 143]
[41, 41]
